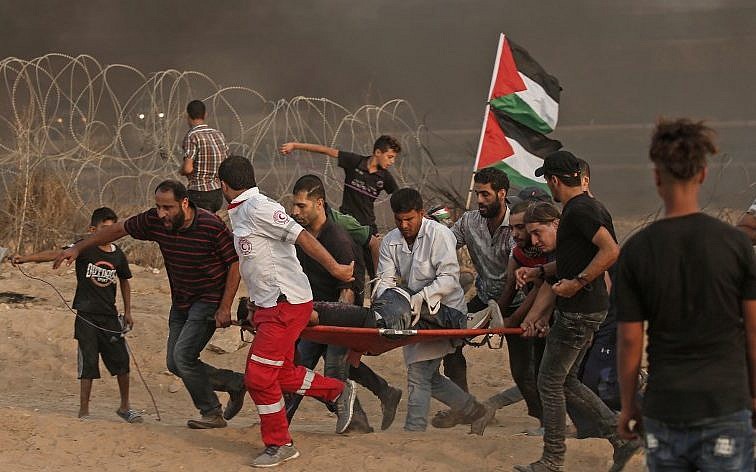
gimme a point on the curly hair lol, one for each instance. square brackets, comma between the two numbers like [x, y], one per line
[680, 147]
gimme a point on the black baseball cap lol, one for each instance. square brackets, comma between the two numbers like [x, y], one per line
[562, 163]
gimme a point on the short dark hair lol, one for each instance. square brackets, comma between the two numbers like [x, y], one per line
[237, 172]
[386, 142]
[520, 207]
[178, 189]
[101, 215]
[195, 109]
[568, 180]
[680, 146]
[491, 175]
[312, 185]
[406, 199]
[541, 212]
[585, 168]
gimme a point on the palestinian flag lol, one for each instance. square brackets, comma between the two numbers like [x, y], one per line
[523, 106]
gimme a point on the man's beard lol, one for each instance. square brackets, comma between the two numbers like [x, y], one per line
[178, 222]
[491, 210]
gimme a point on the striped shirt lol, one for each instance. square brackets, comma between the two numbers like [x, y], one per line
[208, 148]
[196, 258]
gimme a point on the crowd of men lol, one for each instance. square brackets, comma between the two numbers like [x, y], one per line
[556, 272]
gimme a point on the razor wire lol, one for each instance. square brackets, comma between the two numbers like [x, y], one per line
[109, 133]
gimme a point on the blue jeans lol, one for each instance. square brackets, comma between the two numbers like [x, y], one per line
[188, 333]
[425, 381]
[308, 354]
[716, 444]
[559, 385]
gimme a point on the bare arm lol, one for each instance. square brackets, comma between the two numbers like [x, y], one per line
[187, 167]
[314, 249]
[629, 354]
[317, 148]
[537, 319]
[103, 236]
[346, 295]
[749, 316]
[223, 313]
[509, 290]
[519, 314]
[42, 256]
[126, 295]
[747, 224]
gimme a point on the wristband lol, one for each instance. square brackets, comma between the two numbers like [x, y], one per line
[541, 272]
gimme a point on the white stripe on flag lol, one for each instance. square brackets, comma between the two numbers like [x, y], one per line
[306, 382]
[523, 162]
[265, 361]
[272, 408]
[537, 98]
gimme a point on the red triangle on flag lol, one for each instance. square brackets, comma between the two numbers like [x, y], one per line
[507, 79]
[494, 146]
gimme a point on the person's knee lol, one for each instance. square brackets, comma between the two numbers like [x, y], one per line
[548, 385]
[259, 378]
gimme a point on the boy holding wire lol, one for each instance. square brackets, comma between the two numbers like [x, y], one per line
[98, 328]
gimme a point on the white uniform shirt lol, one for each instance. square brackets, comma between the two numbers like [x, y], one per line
[264, 237]
[430, 267]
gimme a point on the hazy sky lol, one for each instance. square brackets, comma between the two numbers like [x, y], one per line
[620, 61]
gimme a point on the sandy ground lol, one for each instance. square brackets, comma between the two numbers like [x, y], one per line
[39, 403]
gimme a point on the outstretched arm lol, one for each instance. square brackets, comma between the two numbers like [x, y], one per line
[317, 148]
[42, 256]
[104, 235]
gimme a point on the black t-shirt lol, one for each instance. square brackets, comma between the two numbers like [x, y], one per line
[325, 287]
[97, 273]
[688, 276]
[361, 187]
[582, 217]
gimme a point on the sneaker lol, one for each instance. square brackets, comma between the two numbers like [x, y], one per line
[624, 453]
[276, 455]
[479, 319]
[360, 423]
[235, 403]
[497, 320]
[207, 422]
[484, 415]
[538, 466]
[447, 419]
[345, 406]
[389, 405]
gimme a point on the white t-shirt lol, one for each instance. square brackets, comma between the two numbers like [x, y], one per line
[264, 237]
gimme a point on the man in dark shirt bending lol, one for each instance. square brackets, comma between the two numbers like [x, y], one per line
[365, 177]
[203, 272]
[692, 278]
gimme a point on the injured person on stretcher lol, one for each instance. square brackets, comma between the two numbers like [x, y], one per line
[392, 310]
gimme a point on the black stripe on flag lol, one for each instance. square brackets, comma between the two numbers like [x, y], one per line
[533, 141]
[533, 70]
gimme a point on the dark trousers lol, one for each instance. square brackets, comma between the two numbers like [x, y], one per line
[455, 364]
[188, 333]
[524, 362]
[211, 200]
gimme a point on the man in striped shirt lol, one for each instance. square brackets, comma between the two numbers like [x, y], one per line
[203, 272]
[204, 150]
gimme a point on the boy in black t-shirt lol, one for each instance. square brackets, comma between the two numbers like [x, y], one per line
[365, 177]
[97, 327]
[692, 278]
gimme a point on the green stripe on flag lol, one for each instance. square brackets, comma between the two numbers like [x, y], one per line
[519, 181]
[520, 111]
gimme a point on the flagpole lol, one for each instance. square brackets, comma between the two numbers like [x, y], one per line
[485, 119]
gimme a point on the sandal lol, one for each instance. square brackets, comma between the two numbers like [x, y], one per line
[130, 416]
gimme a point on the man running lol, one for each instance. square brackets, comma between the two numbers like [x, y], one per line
[692, 278]
[281, 299]
[586, 247]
